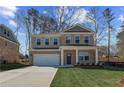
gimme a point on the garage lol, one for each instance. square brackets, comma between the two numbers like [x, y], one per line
[46, 59]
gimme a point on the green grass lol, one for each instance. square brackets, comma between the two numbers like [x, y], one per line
[78, 77]
[4, 67]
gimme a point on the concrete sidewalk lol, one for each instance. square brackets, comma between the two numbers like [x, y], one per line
[28, 77]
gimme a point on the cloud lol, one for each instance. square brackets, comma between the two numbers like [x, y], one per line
[121, 8]
[80, 15]
[21, 34]
[44, 12]
[8, 11]
[121, 17]
[13, 23]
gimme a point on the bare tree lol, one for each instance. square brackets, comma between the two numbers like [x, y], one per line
[32, 23]
[96, 22]
[46, 23]
[67, 16]
[18, 22]
[109, 17]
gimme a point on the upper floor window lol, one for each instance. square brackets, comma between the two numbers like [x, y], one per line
[86, 39]
[38, 41]
[8, 33]
[46, 41]
[55, 41]
[77, 39]
[5, 31]
[68, 39]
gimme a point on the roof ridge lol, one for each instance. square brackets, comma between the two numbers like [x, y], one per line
[82, 26]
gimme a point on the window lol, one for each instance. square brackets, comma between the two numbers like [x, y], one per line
[86, 40]
[83, 56]
[46, 41]
[68, 39]
[8, 33]
[38, 42]
[55, 41]
[5, 31]
[86, 58]
[77, 39]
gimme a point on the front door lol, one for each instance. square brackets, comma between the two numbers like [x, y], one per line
[69, 59]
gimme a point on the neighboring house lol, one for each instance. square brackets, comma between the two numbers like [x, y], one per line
[9, 46]
[74, 45]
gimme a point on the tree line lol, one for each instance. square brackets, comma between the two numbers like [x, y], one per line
[59, 18]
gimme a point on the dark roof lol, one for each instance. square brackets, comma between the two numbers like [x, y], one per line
[7, 33]
[78, 28]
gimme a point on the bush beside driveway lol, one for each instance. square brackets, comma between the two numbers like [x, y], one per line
[4, 67]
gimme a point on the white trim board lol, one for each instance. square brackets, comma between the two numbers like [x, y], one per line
[78, 47]
[43, 50]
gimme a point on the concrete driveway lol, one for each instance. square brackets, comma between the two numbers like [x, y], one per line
[28, 77]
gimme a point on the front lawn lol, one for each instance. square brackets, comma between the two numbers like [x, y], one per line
[78, 77]
[4, 67]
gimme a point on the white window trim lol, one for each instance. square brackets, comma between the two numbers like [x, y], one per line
[84, 39]
[75, 39]
[84, 56]
[45, 41]
[57, 41]
[68, 36]
[40, 41]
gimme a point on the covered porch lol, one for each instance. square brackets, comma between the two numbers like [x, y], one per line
[72, 55]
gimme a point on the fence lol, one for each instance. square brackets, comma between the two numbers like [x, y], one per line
[112, 59]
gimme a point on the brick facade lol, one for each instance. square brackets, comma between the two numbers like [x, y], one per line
[64, 49]
[9, 45]
[9, 51]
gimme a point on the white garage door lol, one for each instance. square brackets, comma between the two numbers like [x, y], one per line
[46, 59]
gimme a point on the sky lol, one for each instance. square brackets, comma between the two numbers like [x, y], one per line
[8, 13]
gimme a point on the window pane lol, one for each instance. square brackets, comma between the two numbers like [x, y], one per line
[83, 53]
[46, 41]
[77, 39]
[86, 58]
[86, 39]
[68, 39]
[38, 42]
[8, 34]
[4, 31]
[81, 58]
[55, 41]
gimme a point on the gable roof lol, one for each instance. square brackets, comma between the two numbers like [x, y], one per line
[11, 36]
[78, 28]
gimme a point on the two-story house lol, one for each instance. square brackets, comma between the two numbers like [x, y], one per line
[9, 45]
[74, 45]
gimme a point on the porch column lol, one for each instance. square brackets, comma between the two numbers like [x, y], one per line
[96, 56]
[76, 56]
[62, 57]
